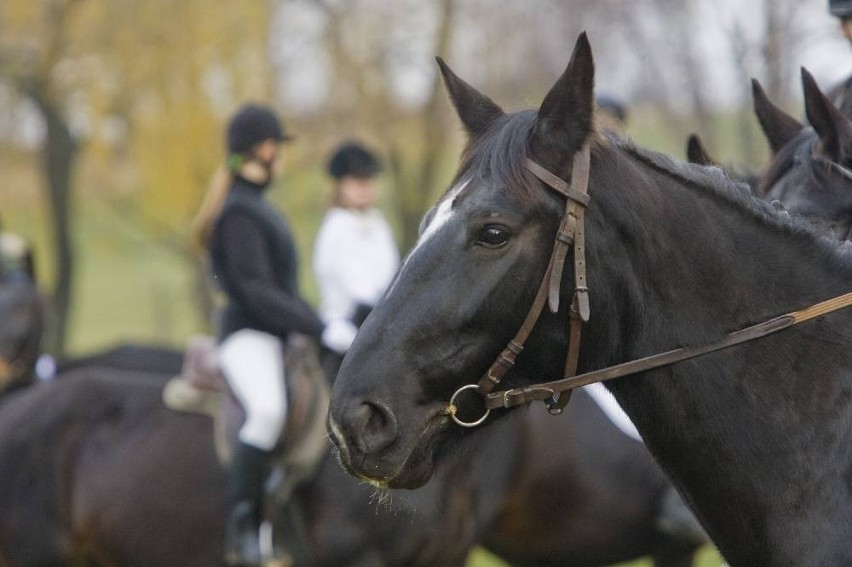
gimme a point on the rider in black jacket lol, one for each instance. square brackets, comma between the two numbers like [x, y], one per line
[254, 262]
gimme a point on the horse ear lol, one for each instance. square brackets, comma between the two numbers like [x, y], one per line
[476, 111]
[778, 126]
[697, 153]
[565, 117]
[833, 128]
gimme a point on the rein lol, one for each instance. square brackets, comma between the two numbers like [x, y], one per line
[555, 394]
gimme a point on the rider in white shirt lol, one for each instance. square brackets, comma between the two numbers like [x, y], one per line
[355, 256]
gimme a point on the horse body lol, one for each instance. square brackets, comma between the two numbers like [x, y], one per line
[86, 474]
[583, 493]
[94, 468]
[20, 332]
[757, 437]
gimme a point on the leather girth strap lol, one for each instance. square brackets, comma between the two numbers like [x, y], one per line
[571, 232]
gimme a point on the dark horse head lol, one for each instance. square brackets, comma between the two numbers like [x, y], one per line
[463, 289]
[810, 171]
[676, 255]
[21, 322]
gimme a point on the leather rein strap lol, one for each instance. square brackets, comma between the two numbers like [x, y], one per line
[571, 232]
[518, 396]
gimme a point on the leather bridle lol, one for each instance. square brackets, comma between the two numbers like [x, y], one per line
[571, 231]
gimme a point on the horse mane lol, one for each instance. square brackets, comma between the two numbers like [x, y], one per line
[500, 155]
[716, 181]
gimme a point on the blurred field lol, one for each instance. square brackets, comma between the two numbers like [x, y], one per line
[707, 557]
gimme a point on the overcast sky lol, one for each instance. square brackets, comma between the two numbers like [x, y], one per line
[819, 46]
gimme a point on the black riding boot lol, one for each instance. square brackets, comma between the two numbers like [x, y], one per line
[246, 477]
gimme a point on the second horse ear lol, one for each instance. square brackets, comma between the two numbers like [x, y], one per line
[833, 128]
[778, 126]
[565, 117]
[697, 153]
[476, 111]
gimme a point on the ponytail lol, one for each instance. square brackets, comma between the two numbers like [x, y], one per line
[211, 206]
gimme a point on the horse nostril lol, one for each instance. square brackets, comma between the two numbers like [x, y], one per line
[375, 425]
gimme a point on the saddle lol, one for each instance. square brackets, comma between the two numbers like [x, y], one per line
[202, 389]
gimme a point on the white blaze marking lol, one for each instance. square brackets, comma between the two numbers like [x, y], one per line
[442, 216]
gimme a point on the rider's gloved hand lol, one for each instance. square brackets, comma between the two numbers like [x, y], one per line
[338, 335]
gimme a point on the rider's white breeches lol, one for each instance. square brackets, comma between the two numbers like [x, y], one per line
[253, 364]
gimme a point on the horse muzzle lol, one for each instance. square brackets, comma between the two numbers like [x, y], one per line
[363, 431]
[372, 447]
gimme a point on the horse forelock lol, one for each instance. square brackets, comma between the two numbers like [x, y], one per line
[499, 156]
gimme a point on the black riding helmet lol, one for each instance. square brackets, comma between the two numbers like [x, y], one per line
[840, 8]
[251, 125]
[353, 159]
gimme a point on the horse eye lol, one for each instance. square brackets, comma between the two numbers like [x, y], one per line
[493, 236]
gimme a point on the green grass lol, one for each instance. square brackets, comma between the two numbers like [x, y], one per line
[132, 292]
[706, 557]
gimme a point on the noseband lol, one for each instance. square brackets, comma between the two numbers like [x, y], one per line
[556, 394]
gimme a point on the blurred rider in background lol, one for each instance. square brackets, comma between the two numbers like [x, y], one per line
[254, 261]
[355, 256]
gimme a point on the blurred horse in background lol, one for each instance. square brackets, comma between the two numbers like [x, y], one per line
[21, 314]
[697, 153]
[94, 468]
[811, 169]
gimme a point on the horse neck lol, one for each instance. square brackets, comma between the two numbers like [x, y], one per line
[673, 265]
[676, 262]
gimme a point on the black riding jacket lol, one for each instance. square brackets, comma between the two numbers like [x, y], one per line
[254, 262]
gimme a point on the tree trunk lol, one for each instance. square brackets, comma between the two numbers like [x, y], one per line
[773, 56]
[58, 154]
[418, 190]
